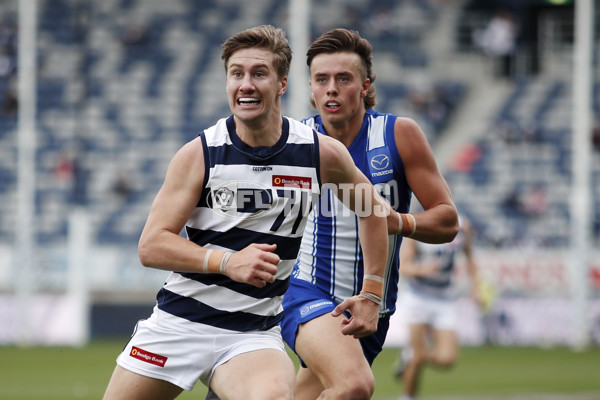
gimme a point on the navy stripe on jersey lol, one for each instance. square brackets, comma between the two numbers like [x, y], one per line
[195, 311]
[271, 290]
[218, 154]
[206, 160]
[439, 284]
[237, 238]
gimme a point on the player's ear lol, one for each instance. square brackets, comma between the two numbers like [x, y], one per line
[282, 85]
[365, 87]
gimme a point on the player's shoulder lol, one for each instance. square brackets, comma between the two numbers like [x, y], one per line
[300, 131]
[216, 134]
[408, 131]
[190, 151]
[407, 125]
[330, 144]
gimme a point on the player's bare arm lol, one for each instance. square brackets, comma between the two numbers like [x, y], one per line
[162, 247]
[438, 223]
[337, 167]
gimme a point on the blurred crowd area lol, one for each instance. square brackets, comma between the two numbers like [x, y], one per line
[122, 84]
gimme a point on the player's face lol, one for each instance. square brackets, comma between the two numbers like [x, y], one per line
[253, 86]
[337, 86]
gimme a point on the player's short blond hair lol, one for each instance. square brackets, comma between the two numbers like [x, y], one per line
[265, 37]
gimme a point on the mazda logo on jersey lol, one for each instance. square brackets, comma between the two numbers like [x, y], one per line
[380, 161]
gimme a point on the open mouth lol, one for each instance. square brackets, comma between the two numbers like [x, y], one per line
[248, 101]
[332, 105]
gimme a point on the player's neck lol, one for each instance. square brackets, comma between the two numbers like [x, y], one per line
[259, 133]
[345, 131]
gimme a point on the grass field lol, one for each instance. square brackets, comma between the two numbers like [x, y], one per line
[53, 373]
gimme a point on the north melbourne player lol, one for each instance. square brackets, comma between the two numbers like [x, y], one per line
[328, 281]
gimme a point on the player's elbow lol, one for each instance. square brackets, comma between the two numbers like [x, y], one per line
[453, 231]
[144, 255]
[145, 252]
[451, 227]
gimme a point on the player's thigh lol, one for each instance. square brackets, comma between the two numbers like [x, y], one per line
[446, 345]
[418, 338]
[256, 375]
[332, 356]
[127, 385]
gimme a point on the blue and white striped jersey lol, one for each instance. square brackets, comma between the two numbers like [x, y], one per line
[250, 195]
[330, 254]
[441, 285]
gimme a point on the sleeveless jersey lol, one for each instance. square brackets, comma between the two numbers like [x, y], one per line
[330, 254]
[438, 286]
[250, 195]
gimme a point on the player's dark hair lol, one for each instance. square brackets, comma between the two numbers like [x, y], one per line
[340, 40]
[263, 37]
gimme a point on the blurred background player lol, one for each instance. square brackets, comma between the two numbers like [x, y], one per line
[337, 330]
[216, 317]
[428, 303]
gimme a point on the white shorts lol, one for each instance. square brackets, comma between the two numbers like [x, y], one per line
[436, 312]
[183, 357]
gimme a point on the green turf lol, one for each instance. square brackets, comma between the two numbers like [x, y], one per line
[502, 370]
[51, 373]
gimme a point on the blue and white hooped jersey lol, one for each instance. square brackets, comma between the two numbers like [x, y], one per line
[441, 285]
[330, 254]
[250, 195]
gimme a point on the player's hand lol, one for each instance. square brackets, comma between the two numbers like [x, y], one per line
[255, 264]
[364, 316]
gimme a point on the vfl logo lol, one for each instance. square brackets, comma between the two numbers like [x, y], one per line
[223, 198]
[380, 161]
[235, 199]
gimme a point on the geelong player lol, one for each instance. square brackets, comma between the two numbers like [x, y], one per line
[326, 287]
[429, 304]
[242, 190]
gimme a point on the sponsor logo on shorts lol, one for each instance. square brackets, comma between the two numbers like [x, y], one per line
[302, 182]
[148, 357]
[306, 310]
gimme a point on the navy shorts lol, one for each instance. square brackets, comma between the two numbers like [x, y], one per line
[303, 302]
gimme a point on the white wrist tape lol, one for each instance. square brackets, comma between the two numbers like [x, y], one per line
[206, 257]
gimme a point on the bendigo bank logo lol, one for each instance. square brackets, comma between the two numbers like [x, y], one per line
[148, 357]
[301, 182]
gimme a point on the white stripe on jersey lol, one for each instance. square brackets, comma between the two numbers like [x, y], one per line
[222, 298]
[377, 140]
